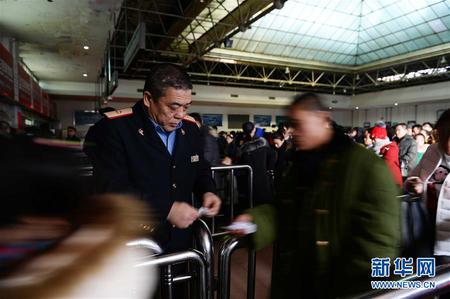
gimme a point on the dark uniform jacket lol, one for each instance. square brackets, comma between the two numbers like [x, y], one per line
[129, 157]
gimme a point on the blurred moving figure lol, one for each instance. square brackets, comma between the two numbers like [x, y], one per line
[337, 210]
[57, 243]
[431, 181]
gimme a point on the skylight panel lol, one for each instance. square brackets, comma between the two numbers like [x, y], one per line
[437, 26]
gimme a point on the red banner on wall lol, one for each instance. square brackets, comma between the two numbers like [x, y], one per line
[6, 73]
[24, 87]
[37, 101]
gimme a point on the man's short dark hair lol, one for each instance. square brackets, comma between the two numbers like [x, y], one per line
[417, 126]
[197, 117]
[277, 135]
[71, 128]
[403, 125]
[165, 75]
[248, 127]
[309, 101]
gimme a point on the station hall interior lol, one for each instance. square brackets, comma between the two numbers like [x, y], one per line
[371, 62]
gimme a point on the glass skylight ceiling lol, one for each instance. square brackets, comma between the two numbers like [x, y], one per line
[348, 32]
[213, 13]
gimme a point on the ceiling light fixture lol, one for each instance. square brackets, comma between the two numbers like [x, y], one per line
[287, 70]
[331, 108]
[84, 75]
[357, 108]
[357, 77]
[86, 47]
[395, 104]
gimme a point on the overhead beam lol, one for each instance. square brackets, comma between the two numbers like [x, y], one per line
[219, 31]
[191, 12]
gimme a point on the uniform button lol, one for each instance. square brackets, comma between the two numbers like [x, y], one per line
[174, 186]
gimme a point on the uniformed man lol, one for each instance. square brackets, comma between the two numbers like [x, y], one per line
[153, 150]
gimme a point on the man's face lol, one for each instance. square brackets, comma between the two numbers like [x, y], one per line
[71, 132]
[427, 128]
[170, 109]
[278, 142]
[400, 131]
[420, 140]
[416, 130]
[310, 128]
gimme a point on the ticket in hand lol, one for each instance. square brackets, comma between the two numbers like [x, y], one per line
[246, 227]
[203, 212]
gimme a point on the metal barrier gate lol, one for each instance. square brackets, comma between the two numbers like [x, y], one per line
[203, 257]
[231, 170]
[226, 250]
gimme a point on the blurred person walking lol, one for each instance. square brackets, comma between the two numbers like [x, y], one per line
[337, 210]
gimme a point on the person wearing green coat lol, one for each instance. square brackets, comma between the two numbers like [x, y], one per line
[337, 209]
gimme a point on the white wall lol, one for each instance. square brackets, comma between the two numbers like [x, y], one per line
[417, 103]
[408, 95]
[420, 113]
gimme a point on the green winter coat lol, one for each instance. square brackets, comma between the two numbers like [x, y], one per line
[326, 242]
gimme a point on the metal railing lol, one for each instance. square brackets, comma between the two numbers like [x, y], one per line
[203, 257]
[226, 251]
[232, 170]
[204, 243]
[441, 280]
[168, 260]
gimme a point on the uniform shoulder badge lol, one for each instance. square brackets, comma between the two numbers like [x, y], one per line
[119, 113]
[189, 119]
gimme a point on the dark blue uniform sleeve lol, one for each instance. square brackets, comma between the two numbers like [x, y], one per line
[106, 149]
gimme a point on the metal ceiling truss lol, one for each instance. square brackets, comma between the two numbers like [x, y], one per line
[167, 19]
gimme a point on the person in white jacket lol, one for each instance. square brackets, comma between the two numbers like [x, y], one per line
[430, 180]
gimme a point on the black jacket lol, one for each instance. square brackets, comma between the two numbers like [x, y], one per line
[258, 154]
[210, 146]
[129, 157]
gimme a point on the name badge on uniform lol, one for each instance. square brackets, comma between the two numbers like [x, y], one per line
[194, 159]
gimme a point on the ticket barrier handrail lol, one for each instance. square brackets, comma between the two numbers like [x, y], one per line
[168, 260]
[204, 243]
[232, 169]
[226, 250]
[203, 255]
[442, 280]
